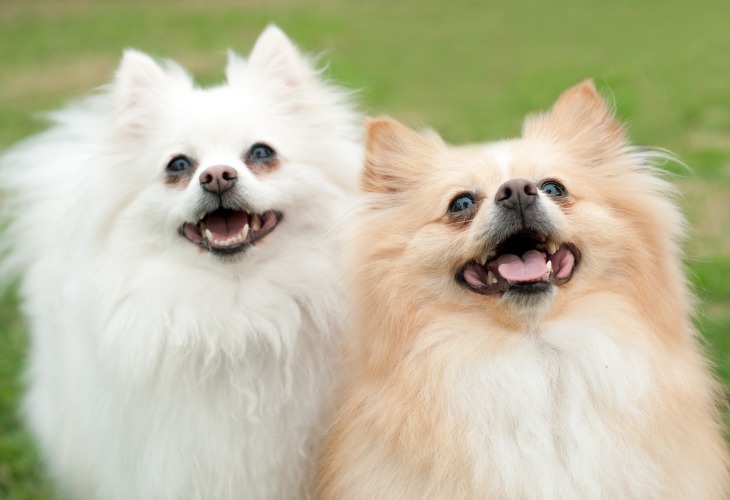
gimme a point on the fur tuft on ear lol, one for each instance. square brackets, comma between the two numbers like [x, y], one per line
[138, 77]
[140, 84]
[392, 154]
[235, 67]
[276, 56]
[581, 120]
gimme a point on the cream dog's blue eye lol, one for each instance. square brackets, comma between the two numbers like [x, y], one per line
[178, 164]
[261, 152]
[461, 203]
[553, 188]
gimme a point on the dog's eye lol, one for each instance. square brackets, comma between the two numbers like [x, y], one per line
[461, 203]
[260, 152]
[178, 164]
[552, 188]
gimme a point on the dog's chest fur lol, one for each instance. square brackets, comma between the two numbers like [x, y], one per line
[545, 418]
[228, 375]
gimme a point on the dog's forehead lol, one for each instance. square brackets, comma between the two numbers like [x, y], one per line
[223, 117]
[500, 155]
[224, 106]
[530, 159]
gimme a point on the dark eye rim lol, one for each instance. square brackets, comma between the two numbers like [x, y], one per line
[561, 188]
[171, 171]
[249, 154]
[463, 211]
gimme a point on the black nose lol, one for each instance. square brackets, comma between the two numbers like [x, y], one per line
[516, 194]
[218, 179]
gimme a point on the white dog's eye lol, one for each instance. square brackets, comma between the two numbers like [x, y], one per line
[553, 188]
[179, 164]
[260, 152]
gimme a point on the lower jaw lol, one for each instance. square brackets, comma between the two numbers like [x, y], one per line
[521, 296]
[534, 288]
[527, 297]
[233, 251]
[228, 252]
[503, 287]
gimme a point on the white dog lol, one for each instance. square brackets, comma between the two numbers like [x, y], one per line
[178, 271]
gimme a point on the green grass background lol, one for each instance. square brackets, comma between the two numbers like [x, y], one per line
[470, 69]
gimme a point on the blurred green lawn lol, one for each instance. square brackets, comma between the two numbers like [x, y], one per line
[470, 70]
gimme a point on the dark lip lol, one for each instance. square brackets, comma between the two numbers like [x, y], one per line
[527, 288]
[236, 248]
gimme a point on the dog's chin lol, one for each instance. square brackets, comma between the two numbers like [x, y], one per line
[525, 269]
[229, 233]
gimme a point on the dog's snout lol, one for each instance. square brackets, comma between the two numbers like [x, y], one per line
[516, 194]
[218, 179]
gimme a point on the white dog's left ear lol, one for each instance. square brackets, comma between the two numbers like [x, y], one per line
[275, 56]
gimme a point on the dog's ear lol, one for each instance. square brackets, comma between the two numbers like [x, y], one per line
[581, 121]
[275, 56]
[394, 155]
[140, 84]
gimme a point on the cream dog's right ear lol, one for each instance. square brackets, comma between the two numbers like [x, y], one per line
[394, 155]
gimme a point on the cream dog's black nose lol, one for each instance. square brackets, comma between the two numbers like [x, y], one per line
[218, 179]
[516, 194]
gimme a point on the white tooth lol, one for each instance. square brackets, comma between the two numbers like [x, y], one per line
[201, 216]
[244, 232]
[549, 267]
[552, 247]
[209, 235]
[491, 278]
[483, 259]
[255, 222]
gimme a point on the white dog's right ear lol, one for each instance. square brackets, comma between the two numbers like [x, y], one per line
[275, 56]
[138, 78]
[140, 84]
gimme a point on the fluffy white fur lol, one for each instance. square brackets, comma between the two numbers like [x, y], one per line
[158, 370]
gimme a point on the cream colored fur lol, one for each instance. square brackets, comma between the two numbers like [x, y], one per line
[597, 390]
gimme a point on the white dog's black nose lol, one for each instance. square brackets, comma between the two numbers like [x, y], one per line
[516, 194]
[218, 179]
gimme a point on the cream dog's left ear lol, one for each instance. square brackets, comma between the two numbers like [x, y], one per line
[582, 121]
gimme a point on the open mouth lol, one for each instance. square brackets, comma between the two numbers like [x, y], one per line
[525, 262]
[227, 232]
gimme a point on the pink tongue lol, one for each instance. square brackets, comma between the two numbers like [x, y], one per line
[529, 267]
[226, 225]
